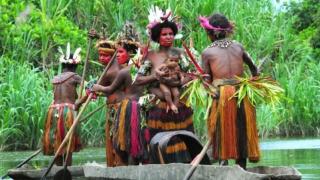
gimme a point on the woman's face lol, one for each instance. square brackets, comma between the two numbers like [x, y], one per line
[166, 37]
[122, 55]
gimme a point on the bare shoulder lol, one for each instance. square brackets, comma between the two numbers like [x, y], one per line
[124, 71]
[208, 52]
[76, 79]
[237, 44]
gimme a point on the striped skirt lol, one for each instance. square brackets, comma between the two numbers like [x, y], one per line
[233, 128]
[158, 120]
[128, 136]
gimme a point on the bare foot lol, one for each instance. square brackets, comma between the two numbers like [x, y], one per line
[174, 108]
[168, 107]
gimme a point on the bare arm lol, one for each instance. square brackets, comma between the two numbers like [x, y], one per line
[117, 82]
[253, 68]
[206, 66]
[77, 79]
[143, 80]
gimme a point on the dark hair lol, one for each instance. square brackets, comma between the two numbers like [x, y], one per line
[220, 21]
[156, 30]
[130, 48]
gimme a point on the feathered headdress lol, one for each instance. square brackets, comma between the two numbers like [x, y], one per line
[157, 16]
[128, 36]
[204, 23]
[67, 59]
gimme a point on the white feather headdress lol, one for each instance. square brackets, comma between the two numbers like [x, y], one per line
[157, 16]
[65, 58]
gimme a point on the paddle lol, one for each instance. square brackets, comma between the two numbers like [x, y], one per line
[25, 161]
[195, 162]
[92, 112]
[72, 128]
[65, 173]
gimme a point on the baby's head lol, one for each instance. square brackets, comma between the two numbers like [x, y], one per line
[174, 55]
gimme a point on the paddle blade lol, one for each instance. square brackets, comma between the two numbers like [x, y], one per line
[63, 174]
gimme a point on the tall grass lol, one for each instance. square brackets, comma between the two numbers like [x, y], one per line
[26, 94]
[24, 97]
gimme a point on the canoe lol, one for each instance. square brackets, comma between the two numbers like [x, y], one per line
[164, 172]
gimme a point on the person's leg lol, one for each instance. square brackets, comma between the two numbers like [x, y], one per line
[176, 95]
[69, 160]
[167, 95]
[242, 163]
[223, 162]
[59, 161]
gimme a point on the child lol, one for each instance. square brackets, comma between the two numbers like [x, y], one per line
[61, 112]
[170, 71]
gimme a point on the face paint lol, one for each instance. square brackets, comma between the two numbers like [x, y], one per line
[166, 37]
[104, 58]
[122, 55]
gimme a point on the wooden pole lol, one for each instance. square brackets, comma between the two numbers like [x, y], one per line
[87, 59]
[197, 160]
[92, 112]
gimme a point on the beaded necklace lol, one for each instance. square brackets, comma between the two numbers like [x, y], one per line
[223, 43]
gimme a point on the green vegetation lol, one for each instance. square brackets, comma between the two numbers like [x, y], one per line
[31, 31]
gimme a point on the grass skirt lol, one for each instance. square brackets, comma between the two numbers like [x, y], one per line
[59, 120]
[232, 128]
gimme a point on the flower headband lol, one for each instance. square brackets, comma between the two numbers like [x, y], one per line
[157, 16]
[204, 22]
[65, 58]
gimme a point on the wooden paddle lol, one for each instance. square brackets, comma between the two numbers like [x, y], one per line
[65, 173]
[195, 162]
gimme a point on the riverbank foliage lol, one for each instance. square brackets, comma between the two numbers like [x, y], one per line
[32, 30]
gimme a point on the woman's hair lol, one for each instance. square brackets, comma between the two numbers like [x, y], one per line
[220, 21]
[131, 48]
[156, 30]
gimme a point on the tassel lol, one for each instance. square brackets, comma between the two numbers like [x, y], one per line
[69, 122]
[109, 148]
[135, 143]
[147, 135]
[252, 132]
[212, 120]
[59, 135]
[47, 146]
[228, 123]
[121, 130]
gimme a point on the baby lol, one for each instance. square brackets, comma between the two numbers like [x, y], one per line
[171, 73]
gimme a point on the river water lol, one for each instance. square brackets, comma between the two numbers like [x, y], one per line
[303, 154]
